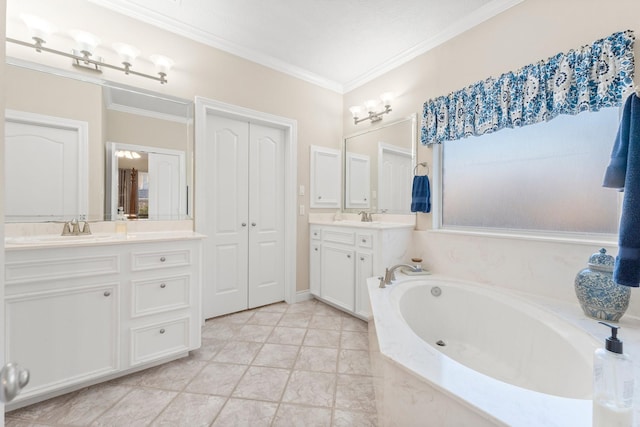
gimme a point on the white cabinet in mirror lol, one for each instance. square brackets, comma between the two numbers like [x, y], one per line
[379, 166]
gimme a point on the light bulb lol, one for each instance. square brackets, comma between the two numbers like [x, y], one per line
[371, 105]
[386, 98]
[355, 111]
[86, 42]
[163, 64]
[39, 29]
[127, 53]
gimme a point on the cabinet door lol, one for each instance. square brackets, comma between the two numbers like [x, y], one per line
[63, 337]
[326, 181]
[338, 275]
[357, 181]
[315, 268]
[364, 270]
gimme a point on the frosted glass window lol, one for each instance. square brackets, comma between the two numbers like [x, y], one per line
[543, 177]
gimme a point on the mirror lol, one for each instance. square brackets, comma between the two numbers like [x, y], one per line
[378, 168]
[106, 118]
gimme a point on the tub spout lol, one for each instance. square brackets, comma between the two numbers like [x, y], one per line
[390, 273]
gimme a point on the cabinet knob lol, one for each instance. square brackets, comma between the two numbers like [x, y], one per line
[315, 249]
[107, 293]
[13, 378]
[348, 256]
[163, 259]
[319, 197]
[244, 224]
[163, 285]
[253, 224]
[162, 331]
[364, 240]
[361, 258]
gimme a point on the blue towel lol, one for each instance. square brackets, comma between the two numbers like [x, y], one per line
[421, 194]
[623, 173]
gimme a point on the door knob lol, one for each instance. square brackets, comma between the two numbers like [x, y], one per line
[13, 379]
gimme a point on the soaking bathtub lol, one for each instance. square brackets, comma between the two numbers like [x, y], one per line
[454, 353]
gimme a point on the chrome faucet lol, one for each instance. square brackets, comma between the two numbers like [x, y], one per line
[390, 275]
[366, 216]
[72, 228]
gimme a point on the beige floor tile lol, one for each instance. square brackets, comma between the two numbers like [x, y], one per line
[238, 352]
[277, 356]
[310, 388]
[355, 362]
[287, 335]
[239, 317]
[265, 318]
[327, 310]
[254, 333]
[220, 330]
[209, 348]
[249, 413]
[139, 408]
[11, 422]
[192, 410]
[319, 359]
[307, 306]
[295, 320]
[40, 410]
[342, 418]
[217, 378]
[279, 307]
[173, 375]
[326, 322]
[322, 338]
[262, 383]
[355, 393]
[354, 340]
[354, 324]
[302, 416]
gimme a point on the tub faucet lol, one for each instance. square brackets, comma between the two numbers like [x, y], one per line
[390, 275]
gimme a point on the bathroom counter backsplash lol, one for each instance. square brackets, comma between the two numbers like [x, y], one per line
[48, 235]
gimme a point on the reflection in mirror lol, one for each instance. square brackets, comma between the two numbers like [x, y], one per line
[104, 112]
[378, 168]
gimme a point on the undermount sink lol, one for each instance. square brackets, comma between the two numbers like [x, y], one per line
[56, 239]
[357, 223]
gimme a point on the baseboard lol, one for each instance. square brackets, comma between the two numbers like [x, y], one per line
[303, 296]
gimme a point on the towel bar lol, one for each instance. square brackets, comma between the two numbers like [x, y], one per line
[421, 164]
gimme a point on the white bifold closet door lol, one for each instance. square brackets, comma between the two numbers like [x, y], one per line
[244, 252]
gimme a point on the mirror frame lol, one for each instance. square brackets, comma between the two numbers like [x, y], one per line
[413, 118]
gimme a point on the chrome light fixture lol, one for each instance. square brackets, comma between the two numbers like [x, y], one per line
[370, 107]
[86, 43]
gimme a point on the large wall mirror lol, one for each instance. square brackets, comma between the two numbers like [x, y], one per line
[378, 168]
[82, 148]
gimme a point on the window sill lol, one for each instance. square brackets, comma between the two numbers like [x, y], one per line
[575, 239]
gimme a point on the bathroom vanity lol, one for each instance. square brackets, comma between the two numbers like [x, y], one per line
[91, 308]
[344, 254]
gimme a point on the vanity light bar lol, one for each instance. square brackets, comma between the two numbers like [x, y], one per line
[84, 60]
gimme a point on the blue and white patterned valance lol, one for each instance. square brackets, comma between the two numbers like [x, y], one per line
[584, 79]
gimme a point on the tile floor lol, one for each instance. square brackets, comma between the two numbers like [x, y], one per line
[304, 364]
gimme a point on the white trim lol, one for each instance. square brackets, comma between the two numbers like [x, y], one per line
[206, 106]
[82, 130]
[303, 296]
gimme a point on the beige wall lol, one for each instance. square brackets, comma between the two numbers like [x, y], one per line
[532, 30]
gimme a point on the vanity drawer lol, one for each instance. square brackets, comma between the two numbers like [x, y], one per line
[160, 294]
[159, 340]
[365, 240]
[316, 233]
[338, 236]
[160, 259]
[49, 268]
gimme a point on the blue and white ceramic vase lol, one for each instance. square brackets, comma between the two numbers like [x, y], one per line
[599, 296]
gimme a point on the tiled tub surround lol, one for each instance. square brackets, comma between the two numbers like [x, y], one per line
[304, 364]
[415, 381]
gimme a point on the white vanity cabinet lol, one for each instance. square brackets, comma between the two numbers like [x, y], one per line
[343, 256]
[80, 314]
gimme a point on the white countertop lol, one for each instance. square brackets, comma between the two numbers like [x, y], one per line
[52, 240]
[375, 225]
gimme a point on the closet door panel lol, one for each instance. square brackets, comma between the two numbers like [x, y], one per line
[226, 249]
[266, 213]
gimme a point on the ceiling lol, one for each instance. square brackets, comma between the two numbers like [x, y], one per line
[337, 44]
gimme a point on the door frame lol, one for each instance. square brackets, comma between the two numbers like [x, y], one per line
[205, 107]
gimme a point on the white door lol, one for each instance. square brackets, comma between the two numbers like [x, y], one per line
[266, 215]
[164, 186]
[394, 179]
[244, 205]
[45, 168]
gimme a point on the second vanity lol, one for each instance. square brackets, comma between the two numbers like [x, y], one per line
[344, 254]
[84, 310]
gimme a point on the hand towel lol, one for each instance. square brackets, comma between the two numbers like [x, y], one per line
[623, 173]
[421, 194]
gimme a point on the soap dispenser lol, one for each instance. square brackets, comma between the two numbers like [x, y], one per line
[612, 384]
[121, 223]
